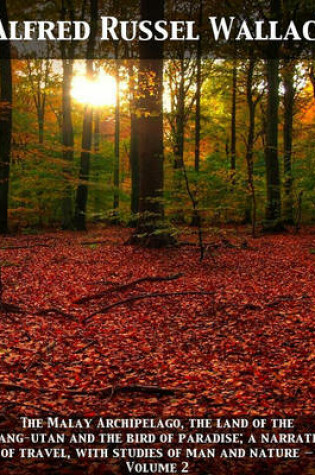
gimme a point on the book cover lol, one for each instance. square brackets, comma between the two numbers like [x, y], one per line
[157, 237]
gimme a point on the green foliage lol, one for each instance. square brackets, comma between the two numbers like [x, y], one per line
[39, 181]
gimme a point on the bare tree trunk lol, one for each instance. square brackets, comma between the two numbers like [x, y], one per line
[117, 139]
[68, 145]
[251, 215]
[198, 94]
[67, 125]
[196, 217]
[97, 130]
[150, 129]
[41, 121]
[82, 190]
[273, 205]
[134, 162]
[233, 118]
[150, 230]
[134, 153]
[5, 121]
[180, 121]
[150, 123]
[288, 102]
[178, 138]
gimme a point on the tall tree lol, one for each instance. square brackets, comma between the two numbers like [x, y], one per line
[134, 152]
[97, 130]
[198, 92]
[179, 129]
[288, 105]
[233, 117]
[117, 135]
[68, 144]
[252, 102]
[196, 217]
[5, 120]
[67, 126]
[82, 190]
[273, 205]
[150, 129]
[181, 75]
[39, 75]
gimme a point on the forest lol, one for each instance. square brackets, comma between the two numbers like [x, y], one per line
[234, 136]
[157, 212]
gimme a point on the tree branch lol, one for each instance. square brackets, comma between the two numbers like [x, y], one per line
[143, 297]
[97, 392]
[118, 288]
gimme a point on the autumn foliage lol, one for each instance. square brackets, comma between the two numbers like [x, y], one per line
[246, 348]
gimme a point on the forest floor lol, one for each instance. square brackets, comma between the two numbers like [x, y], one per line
[233, 335]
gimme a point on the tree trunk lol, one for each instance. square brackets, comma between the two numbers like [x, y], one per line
[5, 121]
[134, 153]
[117, 140]
[251, 211]
[233, 119]
[67, 126]
[97, 130]
[178, 138]
[134, 163]
[198, 94]
[82, 190]
[273, 205]
[41, 120]
[196, 217]
[180, 121]
[288, 102]
[68, 144]
[150, 127]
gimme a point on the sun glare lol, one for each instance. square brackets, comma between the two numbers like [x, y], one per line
[98, 92]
